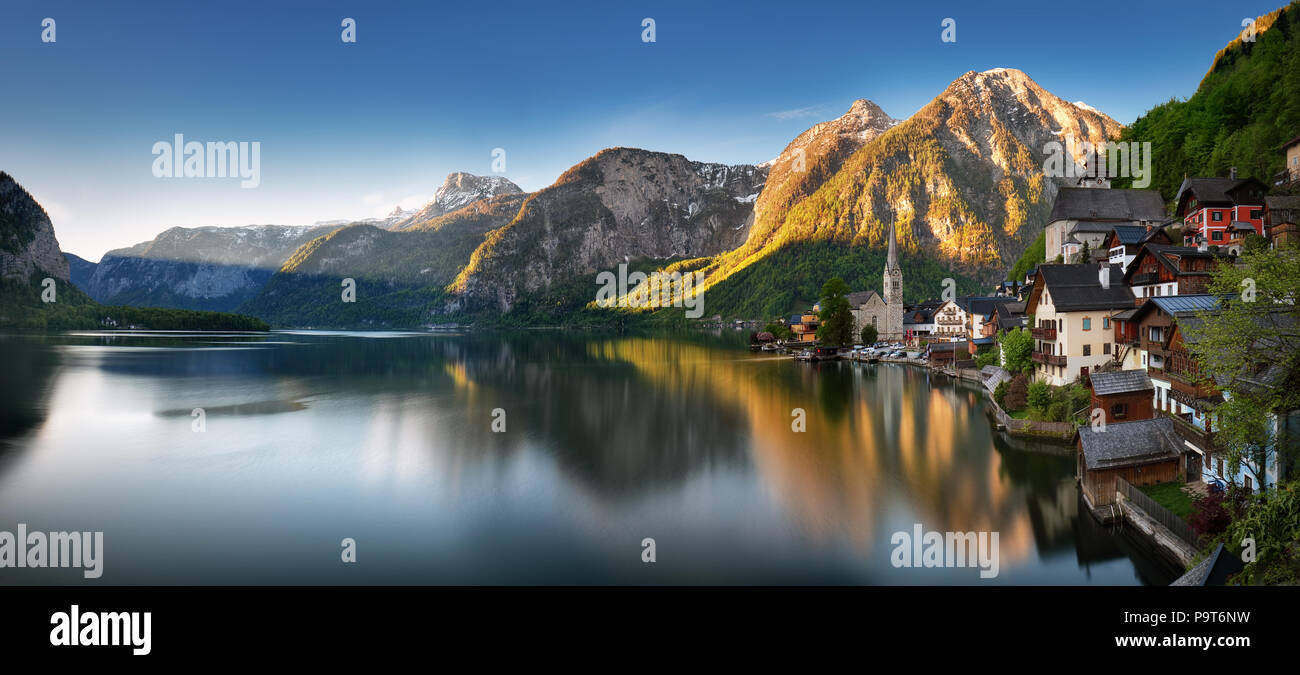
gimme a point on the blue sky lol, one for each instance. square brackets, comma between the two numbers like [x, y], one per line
[350, 130]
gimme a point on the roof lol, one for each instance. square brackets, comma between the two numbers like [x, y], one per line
[860, 298]
[1120, 382]
[975, 304]
[983, 341]
[1107, 204]
[1243, 226]
[1289, 143]
[1130, 234]
[1122, 444]
[1181, 307]
[1283, 209]
[1012, 321]
[1164, 254]
[948, 346]
[1078, 287]
[1213, 191]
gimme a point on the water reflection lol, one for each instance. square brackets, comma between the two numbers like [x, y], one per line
[608, 440]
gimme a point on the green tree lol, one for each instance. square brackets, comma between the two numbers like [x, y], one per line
[869, 334]
[1039, 395]
[1272, 520]
[1250, 348]
[836, 316]
[778, 330]
[1017, 347]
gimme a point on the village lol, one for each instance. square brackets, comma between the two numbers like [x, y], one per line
[1093, 347]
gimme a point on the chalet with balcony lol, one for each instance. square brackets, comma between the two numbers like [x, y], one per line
[1089, 214]
[1160, 270]
[918, 321]
[1006, 316]
[1179, 391]
[1220, 210]
[1143, 452]
[1122, 395]
[1125, 241]
[950, 321]
[1072, 307]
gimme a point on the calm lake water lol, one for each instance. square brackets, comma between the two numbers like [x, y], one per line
[388, 439]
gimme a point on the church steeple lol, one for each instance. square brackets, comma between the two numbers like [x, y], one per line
[893, 296]
[892, 262]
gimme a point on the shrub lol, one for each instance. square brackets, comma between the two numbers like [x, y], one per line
[1039, 395]
[1000, 394]
[1016, 393]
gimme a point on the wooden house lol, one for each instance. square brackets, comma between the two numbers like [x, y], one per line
[1144, 452]
[1123, 395]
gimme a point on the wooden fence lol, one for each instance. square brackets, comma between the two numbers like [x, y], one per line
[1161, 514]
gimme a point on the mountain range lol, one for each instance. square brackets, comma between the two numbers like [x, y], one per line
[961, 180]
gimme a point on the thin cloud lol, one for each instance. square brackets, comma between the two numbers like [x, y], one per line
[797, 113]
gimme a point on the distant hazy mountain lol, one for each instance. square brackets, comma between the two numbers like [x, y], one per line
[81, 270]
[399, 275]
[211, 268]
[27, 242]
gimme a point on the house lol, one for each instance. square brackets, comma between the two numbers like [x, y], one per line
[1161, 270]
[949, 321]
[946, 353]
[804, 326]
[1143, 452]
[1179, 391]
[1122, 395]
[1089, 215]
[918, 321]
[1282, 220]
[979, 311]
[1220, 210]
[1125, 241]
[1006, 316]
[1291, 174]
[1072, 306]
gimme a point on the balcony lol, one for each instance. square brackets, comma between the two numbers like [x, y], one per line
[1048, 359]
[1205, 440]
[1285, 177]
[1043, 333]
[1145, 278]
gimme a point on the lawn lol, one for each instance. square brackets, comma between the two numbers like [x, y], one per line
[1171, 496]
[1019, 414]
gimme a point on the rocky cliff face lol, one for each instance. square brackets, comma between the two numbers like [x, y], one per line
[211, 268]
[962, 178]
[621, 204]
[81, 270]
[27, 242]
[458, 190]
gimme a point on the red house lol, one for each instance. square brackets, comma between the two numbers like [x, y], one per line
[1222, 210]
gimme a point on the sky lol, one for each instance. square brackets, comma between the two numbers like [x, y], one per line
[350, 130]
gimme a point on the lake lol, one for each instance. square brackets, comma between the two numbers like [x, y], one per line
[520, 458]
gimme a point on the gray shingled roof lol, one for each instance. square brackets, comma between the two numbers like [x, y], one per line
[1099, 204]
[1120, 382]
[859, 298]
[1123, 444]
[1078, 287]
[1211, 191]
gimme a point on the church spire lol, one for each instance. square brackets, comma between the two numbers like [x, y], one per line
[892, 262]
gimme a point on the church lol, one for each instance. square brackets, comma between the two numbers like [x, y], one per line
[884, 312]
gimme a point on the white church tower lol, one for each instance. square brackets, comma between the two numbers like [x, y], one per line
[893, 328]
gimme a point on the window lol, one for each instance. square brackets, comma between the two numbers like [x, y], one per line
[1119, 410]
[1255, 214]
[1248, 485]
[1105, 323]
[1087, 350]
[1217, 235]
[1216, 216]
[1105, 348]
[1087, 323]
